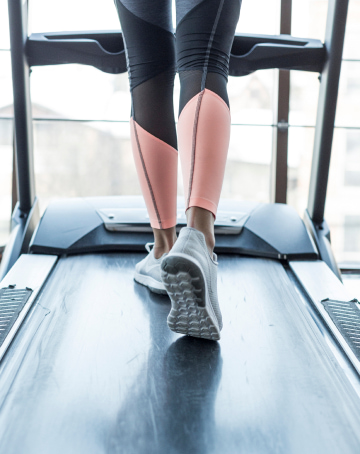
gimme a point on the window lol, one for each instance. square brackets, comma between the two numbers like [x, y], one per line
[352, 234]
[352, 159]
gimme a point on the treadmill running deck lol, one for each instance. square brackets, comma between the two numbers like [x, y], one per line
[95, 369]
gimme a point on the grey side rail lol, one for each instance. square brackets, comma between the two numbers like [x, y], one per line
[105, 51]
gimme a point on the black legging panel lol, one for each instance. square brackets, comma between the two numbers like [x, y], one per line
[205, 34]
[200, 52]
[150, 48]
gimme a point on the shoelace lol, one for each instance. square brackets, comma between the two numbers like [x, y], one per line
[149, 247]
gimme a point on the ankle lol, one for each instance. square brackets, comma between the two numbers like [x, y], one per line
[159, 251]
[164, 241]
[210, 243]
[202, 220]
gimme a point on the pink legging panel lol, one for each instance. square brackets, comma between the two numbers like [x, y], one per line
[203, 139]
[156, 165]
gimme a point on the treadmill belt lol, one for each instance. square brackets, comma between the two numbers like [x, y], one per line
[12, 300]
[95, 369]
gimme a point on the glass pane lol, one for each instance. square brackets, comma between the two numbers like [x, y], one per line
[83, 92]
[301, 141]
[352, 284]
[343, 195]
[6, 97]
[309, 18]
[72, 15]
[247, 174]
[6, 142]
[352, 159]
[75, 159]
[352, 34]
[94, 15]
[342, 205]
[266, 23]
[252, 98]
[4, 26]
[304, 93]
[309, 21]
[348, 108]
[79, 92]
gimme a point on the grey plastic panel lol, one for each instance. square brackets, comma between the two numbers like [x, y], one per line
[66, 222]
[322, 285]
[74, 226]
[29, 272]
[137, 220]
[98, 371]
[278, 224]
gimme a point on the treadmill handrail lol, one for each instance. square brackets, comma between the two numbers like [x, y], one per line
[105, 51]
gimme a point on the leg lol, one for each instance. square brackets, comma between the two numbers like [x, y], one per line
[204, 122]
[204, 36]
[149, 45]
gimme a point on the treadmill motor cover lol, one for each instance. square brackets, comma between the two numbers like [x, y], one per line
[98, 224]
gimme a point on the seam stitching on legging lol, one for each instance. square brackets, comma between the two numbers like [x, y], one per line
[147, 176]
[193, 145]
[197, 111]
[211, 39]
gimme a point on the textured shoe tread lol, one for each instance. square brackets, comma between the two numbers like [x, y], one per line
[189, 312]
[184, 276]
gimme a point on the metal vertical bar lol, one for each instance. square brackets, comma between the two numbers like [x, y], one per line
[334, 42]
[14, 183]
[280, 136]
[22, 104]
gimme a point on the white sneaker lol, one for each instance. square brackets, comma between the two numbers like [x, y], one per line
[190, 278]
[147, 272]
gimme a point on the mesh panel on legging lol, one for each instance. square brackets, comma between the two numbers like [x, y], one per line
[150, 52]
[191, 85]
[152, 107]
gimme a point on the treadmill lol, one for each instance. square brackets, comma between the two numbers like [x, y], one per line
[88, 363]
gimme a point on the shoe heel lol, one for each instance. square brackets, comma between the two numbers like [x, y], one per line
[186, 287]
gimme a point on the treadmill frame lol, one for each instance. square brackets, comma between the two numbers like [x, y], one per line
[328, 59]
[34, 49]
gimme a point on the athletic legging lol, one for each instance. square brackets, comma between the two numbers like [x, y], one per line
[200, 53]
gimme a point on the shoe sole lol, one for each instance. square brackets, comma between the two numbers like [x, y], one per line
[151, 283]
[191, 310]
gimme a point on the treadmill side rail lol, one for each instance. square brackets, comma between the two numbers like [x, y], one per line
[321, 284]
[29, 272]
[320, 233]
[23, 225]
